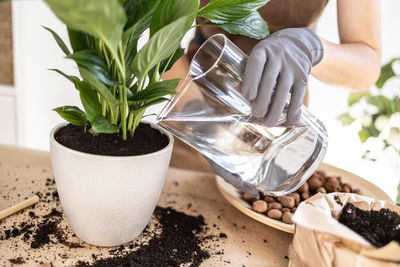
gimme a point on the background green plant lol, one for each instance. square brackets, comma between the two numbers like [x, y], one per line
[118, 81]
[378, 112]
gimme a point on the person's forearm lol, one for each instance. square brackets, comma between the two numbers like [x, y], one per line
[355, 62]
[352, 65]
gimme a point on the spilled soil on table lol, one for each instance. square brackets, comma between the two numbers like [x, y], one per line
[172, 238]
[40, 230]
[180, 241]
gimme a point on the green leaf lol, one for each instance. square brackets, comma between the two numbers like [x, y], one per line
[103, 19]
[384, 104]
[137, 9]
[253, 26]
[386, 73]
[89, 60]
[222, 11]
[141, 18]
[101, 88]
[160, 46]
[133, 87]
[346, 119]
[59, 41]
[130, 52]
[80, 40]
[170, 10]
[373, 131]
[154, 102]
[71, 78]
[354, 98]
[164, 65]
[177, 55]
[367, 132]
[156, 90]
[363, 134]
[395, 104]
[139, 110]
[72, 114]
[101, 125]
[89, 99]
[138, 115]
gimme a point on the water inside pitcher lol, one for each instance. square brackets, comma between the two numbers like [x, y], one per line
[210, 114]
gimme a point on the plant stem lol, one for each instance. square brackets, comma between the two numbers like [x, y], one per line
[155, 74]
[140, 83]
[104, 107]
[116, 58]
[106, 56]
[169, 60]
[123, 94]
[114, 116]
[137, 118]
[130, 123]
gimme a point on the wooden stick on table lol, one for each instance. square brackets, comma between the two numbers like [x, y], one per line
[20, 206]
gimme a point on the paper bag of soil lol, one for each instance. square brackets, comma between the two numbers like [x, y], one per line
[320, 240]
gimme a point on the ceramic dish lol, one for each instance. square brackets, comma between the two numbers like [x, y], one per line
[232, 195]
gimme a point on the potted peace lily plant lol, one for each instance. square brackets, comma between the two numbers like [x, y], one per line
[109, 166]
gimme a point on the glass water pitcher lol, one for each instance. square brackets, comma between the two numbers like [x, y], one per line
[210, 114]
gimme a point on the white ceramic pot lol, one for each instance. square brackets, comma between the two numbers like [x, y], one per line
[108, 200]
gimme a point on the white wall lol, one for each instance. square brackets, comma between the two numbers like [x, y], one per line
[39, 90]
[8, 133]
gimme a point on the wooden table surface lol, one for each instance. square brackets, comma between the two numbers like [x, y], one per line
[25, 172]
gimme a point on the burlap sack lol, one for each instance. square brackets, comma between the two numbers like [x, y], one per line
[320, 240]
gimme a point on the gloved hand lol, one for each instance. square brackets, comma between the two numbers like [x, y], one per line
[277, 66]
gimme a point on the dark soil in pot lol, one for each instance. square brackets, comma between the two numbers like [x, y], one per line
[379, 227]
[146, 140]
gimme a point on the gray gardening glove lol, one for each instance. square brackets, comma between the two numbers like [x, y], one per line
[277, 66]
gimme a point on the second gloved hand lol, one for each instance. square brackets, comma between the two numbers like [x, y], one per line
[278, 65]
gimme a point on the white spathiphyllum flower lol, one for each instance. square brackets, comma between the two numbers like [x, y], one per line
[366, 120]
[396, 67]
[381, 122]
[394, 137]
